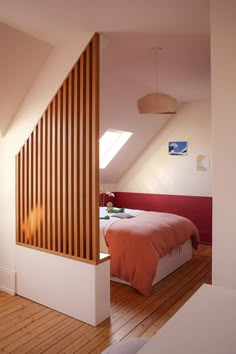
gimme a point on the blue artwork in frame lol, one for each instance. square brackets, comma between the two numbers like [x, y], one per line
[177, 147]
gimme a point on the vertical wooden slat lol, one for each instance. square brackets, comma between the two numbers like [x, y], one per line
[53, 174]
[70, 165]
[59, 173]
[95, 148]
[40, 182]
[82, 191]
[26, 193]
[87, 154]
[18, 211]
[49, 178]
[34, 186]
[65, 171]
[21, 194]
[44, 182]
[76, 211]
[29, 194]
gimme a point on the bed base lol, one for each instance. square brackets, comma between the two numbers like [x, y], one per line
[169, 263]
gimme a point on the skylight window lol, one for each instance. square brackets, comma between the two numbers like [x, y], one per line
[109, 145]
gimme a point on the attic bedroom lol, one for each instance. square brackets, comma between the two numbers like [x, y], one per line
[65, 279]
[55, 175]
[49, 165]
[143, 173]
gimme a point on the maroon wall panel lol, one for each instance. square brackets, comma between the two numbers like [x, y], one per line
[197, 209]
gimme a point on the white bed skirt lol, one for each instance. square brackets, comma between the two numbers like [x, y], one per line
[169, 263]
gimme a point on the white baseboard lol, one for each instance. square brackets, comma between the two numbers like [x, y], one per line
[7, 281]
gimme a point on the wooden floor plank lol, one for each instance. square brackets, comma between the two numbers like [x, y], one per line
[32, 314]
[70, 338]
[4, 295]
[12, 308]
[27, 327]
[18, 315]
[8, 304]
[147, 316]
[47, 322]
[173, 309]
[127, 313]
[169, 304]
[203, 250]
[57, 337]
[57, 326]
[22, 333]
[7, 300]
[123, 315]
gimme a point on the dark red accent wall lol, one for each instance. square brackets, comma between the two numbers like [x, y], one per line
[197, 209]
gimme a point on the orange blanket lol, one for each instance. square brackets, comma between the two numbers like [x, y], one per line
[137, 244]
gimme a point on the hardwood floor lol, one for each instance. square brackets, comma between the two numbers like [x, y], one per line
[27, 327]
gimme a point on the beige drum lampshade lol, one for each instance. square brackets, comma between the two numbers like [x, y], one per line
[159, 103]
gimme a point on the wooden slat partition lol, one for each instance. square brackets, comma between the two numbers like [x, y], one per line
[57, 170]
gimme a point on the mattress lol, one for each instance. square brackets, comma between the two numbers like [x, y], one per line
[149, 239]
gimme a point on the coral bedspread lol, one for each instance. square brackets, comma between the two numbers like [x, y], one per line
[136, 245]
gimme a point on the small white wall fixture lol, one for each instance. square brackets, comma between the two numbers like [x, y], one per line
[77, 289]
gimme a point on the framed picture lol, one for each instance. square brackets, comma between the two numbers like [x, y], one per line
[202, 163]
[177, 147]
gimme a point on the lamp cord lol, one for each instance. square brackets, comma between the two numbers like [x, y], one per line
[156, 51]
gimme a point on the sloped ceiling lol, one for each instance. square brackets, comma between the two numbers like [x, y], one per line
[22, 56]
[129, 30]
[128, 71]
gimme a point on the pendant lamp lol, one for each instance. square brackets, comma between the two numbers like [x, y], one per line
[156, 102]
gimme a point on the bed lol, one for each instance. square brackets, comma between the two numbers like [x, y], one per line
[145, 246]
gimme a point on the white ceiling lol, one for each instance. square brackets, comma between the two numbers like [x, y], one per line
[56, 20]
[129, 30]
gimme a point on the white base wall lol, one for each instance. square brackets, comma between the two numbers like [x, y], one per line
[77, 289]
[7, 280]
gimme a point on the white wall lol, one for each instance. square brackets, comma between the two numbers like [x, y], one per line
[22, 56]
[43, 89]
[156, 171]
[223, 54]
[78, 289]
